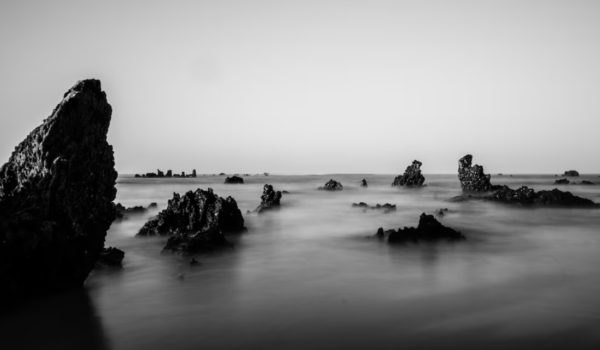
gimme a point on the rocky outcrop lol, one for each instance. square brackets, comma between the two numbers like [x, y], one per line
[56, 196]
[123, 213]
[571, 173]
[412, 176]
[363, 183]
[234, 180]
[525, 196]
[111, 257]
[332, 185]
[269, 200]
[386, 208]
[472, 178]
[561, 182]
[196, 221]
[429, 229]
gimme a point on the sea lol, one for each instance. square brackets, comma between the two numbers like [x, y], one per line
[312, 276]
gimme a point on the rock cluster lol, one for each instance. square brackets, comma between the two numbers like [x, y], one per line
[472, 178]
[331, 185]
[234, 180]
[412, 176]
[160, 174]
[571, 173]
[429, 229]
[269, 200]
[196, 221]
[386, 208]
[56, 196]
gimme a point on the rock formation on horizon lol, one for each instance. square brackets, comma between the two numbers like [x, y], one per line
[234, 180]
[571, 173]
[561, 182]
[387, 207]
[331, 185]
[429, 229]
[56, 196]
[472, 178]
[196, 221]
[269, 200]
[412, 176]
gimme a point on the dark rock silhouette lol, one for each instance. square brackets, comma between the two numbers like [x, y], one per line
[386, 208]
[585, 182]
[56, 196]
[429, 229]
[472, 178]
[332, 185]
[412, 176]
[159, 173]
[443, 212]
[561, 182]
[169, 173]
[364, 183]
[111, 257]
[571, 173]
[234, 180]
[196, 221]
[194, 173]
[137, 175]
[269, 200]
[122, 212]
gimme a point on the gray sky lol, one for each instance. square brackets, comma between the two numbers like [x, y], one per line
[316, 86]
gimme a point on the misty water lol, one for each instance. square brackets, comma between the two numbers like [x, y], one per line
[312, 276]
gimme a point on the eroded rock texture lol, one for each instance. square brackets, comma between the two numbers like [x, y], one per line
[412, 176]
[196, 221]
[332, 185]
[269, 200]
[429, 229]
[56, 196]
[472, 178]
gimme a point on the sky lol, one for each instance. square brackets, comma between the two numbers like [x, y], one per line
[298, 87]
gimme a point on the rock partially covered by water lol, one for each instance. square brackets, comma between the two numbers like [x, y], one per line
[386, 208]
[364, 183]
[529, 197]
[111, 257]
[571, 173]
[269, 200]
[234, 180]
[429, 229]
[332, 185]
[561, 182]
[56, 196]
[472, 178]
[196, 221]
[443, 212]
[586, 182]
[412, 176]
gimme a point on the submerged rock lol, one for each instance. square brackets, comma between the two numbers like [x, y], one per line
[429, 229]
[571, 173]
[111, 257]
[234, 180]
[56, 196]
[386, 208]
[412, 176]
[472, 178]
[363, 183]
[270, 199]
[332, 185]
[196, 221]
[561, 182]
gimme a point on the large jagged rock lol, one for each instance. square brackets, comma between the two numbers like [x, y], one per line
[412, 176]
[429, 229]
[472, 178]
[196, 221]
[269, 200]
[571, 173]
[332, 185]
[56, 196]
[234, 180]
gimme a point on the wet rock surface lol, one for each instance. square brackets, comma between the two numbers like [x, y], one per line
[56, 196]
[412, 177]
[331, 185]
[386, 208]
[429, 229]
[111, 257]
[571, 173]
[234, 180]
[270, 200]
[472, 178]
[196, 221]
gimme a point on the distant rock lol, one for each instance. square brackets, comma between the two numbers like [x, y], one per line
[159, 173]
[332, 185]
[585, 182]
[285, 192]
[234, 180]
[222, 174]
[412, 176]
[169, 173]
[444, 212]
[270, 200]
[196, 221]
[123, 212]
[137, 175]
[429, 229]
[194, 173]
[571, 173]
[111, 257]
[472, 178]
[364, 183]
[561, 182]
[386, 208]
[56, 196]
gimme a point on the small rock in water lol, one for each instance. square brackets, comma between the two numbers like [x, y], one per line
[364, 183]
[332, 185]
[472, 178]
[234, 180]
[585, 182]
[561, 182]
[270, 199]
[429, 229]
[571, 173]
[387, 207]
[444, 211]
